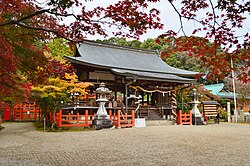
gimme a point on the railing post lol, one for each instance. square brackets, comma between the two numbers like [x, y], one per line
[133, 118]
[60, 118]
[24, 110]
[181, 117]
[119, 118]
[20, 112]
[110, 114]
[86, 117]
[69, 118]
[77, 118]
[35, 111]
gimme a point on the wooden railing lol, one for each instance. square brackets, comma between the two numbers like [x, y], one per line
[122, 120]
[119, 120]
[184, 118]
[77, 120]
[26, 112]
[22, 112]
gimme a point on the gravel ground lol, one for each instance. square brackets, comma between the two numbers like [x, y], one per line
[215, 144]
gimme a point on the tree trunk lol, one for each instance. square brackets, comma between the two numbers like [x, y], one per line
[54, 119]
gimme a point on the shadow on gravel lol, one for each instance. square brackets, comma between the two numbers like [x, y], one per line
[1, 127]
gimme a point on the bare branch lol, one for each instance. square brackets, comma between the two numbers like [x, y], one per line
[180, 18]
[214, 15]
[46, 30]
[63, 15]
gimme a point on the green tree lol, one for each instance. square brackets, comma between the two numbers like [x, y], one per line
[151, 44]
[183, 61]
[58, 48]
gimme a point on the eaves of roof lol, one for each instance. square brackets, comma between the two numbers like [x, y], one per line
[112, 56]
[152, 76]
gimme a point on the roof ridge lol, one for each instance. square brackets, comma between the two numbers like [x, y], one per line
[98, 43]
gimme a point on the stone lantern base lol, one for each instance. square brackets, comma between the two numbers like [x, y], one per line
[101, 122]
[198, 121]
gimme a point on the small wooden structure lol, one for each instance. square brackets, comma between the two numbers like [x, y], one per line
[184, 118]
[210, 110]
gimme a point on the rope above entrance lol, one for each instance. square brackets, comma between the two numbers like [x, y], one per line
[148, 91]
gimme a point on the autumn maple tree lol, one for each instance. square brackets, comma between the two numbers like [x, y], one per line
[24, 23]
[220, 46]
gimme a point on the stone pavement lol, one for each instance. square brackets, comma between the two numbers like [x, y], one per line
[215, 144]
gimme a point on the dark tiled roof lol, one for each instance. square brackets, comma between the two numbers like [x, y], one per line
[151, 76]
[124, 58]
[209, 102]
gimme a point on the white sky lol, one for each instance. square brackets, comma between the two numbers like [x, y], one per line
[168, 17]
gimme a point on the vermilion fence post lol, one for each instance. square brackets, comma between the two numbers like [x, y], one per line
[69, 118]
[60, 118]
[22, 111]
[35, 112]
[86, 117]
[77, 118]
[119, 118]
[133, 117]
[110, 114]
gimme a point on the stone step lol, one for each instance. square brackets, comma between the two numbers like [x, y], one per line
[158, 122]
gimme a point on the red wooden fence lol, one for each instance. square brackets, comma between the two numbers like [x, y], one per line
[184, 118]
[77, 120]
[122, 120]
[22, 112]
[119, 120]
[26, 112]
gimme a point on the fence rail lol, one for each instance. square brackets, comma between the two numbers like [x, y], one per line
[122, 120]
[68, 120]
[184, 118]
[21, 112]
[79, 120]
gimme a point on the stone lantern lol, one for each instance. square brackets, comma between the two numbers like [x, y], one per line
[102, 119]
[196, 115]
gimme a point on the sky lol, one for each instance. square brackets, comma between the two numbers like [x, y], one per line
[168, 17]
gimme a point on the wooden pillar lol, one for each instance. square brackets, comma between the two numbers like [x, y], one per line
[110, 114]
[133, 118]
[60, 118]
[119, 119]
[178, 116]
[86, 117]
[69, 118]
[35, 112]
[77, 118]
[22, 107]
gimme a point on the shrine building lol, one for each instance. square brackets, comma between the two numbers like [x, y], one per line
[132, 74]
